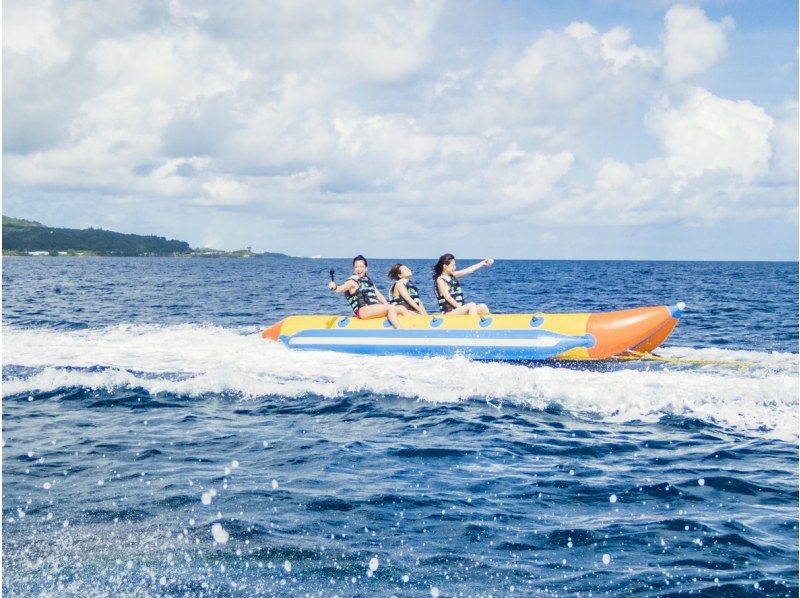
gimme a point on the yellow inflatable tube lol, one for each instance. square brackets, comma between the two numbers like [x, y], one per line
[514, 337]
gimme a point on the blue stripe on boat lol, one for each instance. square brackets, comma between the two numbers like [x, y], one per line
[478, 344]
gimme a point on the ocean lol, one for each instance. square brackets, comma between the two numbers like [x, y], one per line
[154, 444]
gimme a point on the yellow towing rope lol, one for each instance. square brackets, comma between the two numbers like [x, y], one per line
[631, 354]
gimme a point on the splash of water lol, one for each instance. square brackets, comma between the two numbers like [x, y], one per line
[194, 361]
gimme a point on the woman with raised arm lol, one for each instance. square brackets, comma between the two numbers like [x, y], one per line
[364, 297]
[448, 288]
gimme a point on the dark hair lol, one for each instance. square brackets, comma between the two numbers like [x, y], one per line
[439, 267]
[394, 272]
[360, 257]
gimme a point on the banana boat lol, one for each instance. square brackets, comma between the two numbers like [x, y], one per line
[506, 337]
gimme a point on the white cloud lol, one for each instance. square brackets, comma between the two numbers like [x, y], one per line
[579, 66]
[226, 191]
[382, 147]
[708, 133]
[527, 179]
[30, 29]
[715, 166]
[302, 114]
[173, 68]
[394, 42]
[784, 140]
[560, 86]
[613, 175]
[618, 49]
[380, 41]
[692, 42]
[145, 81]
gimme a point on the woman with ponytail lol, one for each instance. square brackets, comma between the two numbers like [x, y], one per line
[403, 291]
[448, 288]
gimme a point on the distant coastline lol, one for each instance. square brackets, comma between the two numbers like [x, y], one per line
[31, 238]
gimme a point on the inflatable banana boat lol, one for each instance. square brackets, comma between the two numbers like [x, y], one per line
[507, 337]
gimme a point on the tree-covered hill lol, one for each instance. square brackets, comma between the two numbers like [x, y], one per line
[24, 236]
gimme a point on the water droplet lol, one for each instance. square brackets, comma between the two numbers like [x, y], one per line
[220, 535]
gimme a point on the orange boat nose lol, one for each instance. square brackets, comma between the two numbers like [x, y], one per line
[619, 331]
[273, 332]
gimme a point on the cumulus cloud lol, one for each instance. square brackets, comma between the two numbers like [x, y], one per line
[258, 89]
[526, 179]
[708, 133]
[296, 115]
[784, 140]
[692, 42]
[574, 76]
[30, 29]
[717, 162]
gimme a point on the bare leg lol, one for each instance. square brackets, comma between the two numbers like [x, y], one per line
[483, 310]
[466, 309]
[391, 315]
[378, 310]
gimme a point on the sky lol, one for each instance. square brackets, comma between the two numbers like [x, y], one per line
[599, 129]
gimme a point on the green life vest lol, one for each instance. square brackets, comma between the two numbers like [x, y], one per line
[455, 292]
[412, 289]
[364, 294]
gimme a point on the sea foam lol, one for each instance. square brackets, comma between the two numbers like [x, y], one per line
[746, 390]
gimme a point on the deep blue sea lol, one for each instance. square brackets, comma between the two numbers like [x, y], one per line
[154, 444]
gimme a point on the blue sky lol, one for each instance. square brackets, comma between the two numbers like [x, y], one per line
[540, 130]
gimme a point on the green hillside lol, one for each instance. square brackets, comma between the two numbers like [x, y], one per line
[23, 236]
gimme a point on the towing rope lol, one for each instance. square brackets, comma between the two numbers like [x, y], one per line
[631, 354]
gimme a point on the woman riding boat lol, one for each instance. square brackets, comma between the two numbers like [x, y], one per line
[448, 288]
[404, 292]
[364, 297]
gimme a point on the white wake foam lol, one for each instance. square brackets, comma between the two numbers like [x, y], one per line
[761, 395]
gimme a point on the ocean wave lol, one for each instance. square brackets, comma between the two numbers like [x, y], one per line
[745, 390]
